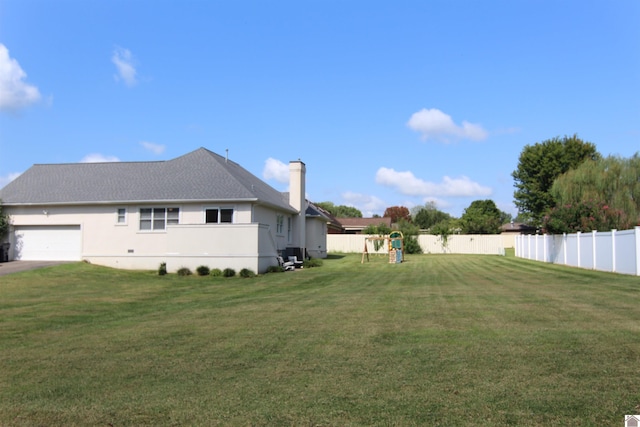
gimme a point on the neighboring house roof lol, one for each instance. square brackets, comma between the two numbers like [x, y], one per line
[362, 223]
[517, 227]
[197, 176]
[314, 210]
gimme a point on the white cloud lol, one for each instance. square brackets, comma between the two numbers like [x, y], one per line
[99, 158]
[408, 184]
[434, 124]
[154, 148]
[123, 60]
[4, 180]
[277, 170]
[368, 205]
[15, 93]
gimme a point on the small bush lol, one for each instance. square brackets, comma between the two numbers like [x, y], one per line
[313, 262]
[203, 270]
[216, 272]
[184, 271]
[246, 273]
[411, 245]
[162, 270]
[228, 272]
[275, 269]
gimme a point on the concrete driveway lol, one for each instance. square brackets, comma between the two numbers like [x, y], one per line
[17, 266]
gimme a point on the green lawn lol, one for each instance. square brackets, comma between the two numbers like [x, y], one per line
[438, 340]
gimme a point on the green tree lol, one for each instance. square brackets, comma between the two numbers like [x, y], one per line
[340, 211]
[5, 221]
[505, 217]
[612, 182]
[379, 230]
[538, 167]
[584, 216]
[481, 217]
[427, 216]
[410, 233]
[396, 213]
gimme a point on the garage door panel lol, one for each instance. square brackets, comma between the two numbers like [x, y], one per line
[48, 243]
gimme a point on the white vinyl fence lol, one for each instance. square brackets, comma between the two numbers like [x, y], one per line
[455, 244]
[612, 251]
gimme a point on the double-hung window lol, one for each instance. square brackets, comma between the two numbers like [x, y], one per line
[158, 218]
[218, 215]
[121, 216]
[279, 224]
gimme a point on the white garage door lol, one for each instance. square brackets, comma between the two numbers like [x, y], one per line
[48, 243]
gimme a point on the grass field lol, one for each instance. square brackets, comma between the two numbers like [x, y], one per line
[438, 340]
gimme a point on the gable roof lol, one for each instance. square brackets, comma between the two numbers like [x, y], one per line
[201, 175]
[316, 211]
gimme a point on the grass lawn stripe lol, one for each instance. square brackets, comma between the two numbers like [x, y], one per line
[437, 340]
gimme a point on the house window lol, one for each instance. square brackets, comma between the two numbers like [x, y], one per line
[121, 216]
[158, 218]
[218, 215]
[279, 224]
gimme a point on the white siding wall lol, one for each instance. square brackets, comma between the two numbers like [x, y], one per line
[316, 238]
[192, 243]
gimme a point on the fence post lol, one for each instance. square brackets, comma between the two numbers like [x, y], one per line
[637, 234]
[613, 250]
[564, 247]
[544, 248]
[593, 247]
[578, 245]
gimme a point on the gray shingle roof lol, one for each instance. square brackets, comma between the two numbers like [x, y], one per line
[197, 176]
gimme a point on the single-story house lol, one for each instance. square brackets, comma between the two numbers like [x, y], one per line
[197, 209]
[356, 225]
[517, 228]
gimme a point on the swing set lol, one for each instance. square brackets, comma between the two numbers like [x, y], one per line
[394, 242]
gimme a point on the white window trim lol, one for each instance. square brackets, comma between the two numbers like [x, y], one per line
[280, 224]
[166, 218]
[126, 216]
[219, 208]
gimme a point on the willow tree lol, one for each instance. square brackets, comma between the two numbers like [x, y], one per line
[539, 165]
[613, 182]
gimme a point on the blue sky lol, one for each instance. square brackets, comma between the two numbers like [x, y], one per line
[387, 103]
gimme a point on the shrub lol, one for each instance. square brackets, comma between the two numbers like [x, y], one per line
[313, 262]
[184, 271]
[275, 269]
[246, 273]
[228, 272]
[411, 245]
[162, 270]
[584, 216]
[203, 270]
[216, 272]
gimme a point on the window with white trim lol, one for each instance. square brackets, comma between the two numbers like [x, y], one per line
[218, 215]
[279, 224]
[121, 216]
[152, 219]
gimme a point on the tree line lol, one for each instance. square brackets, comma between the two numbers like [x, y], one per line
[562, 185]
